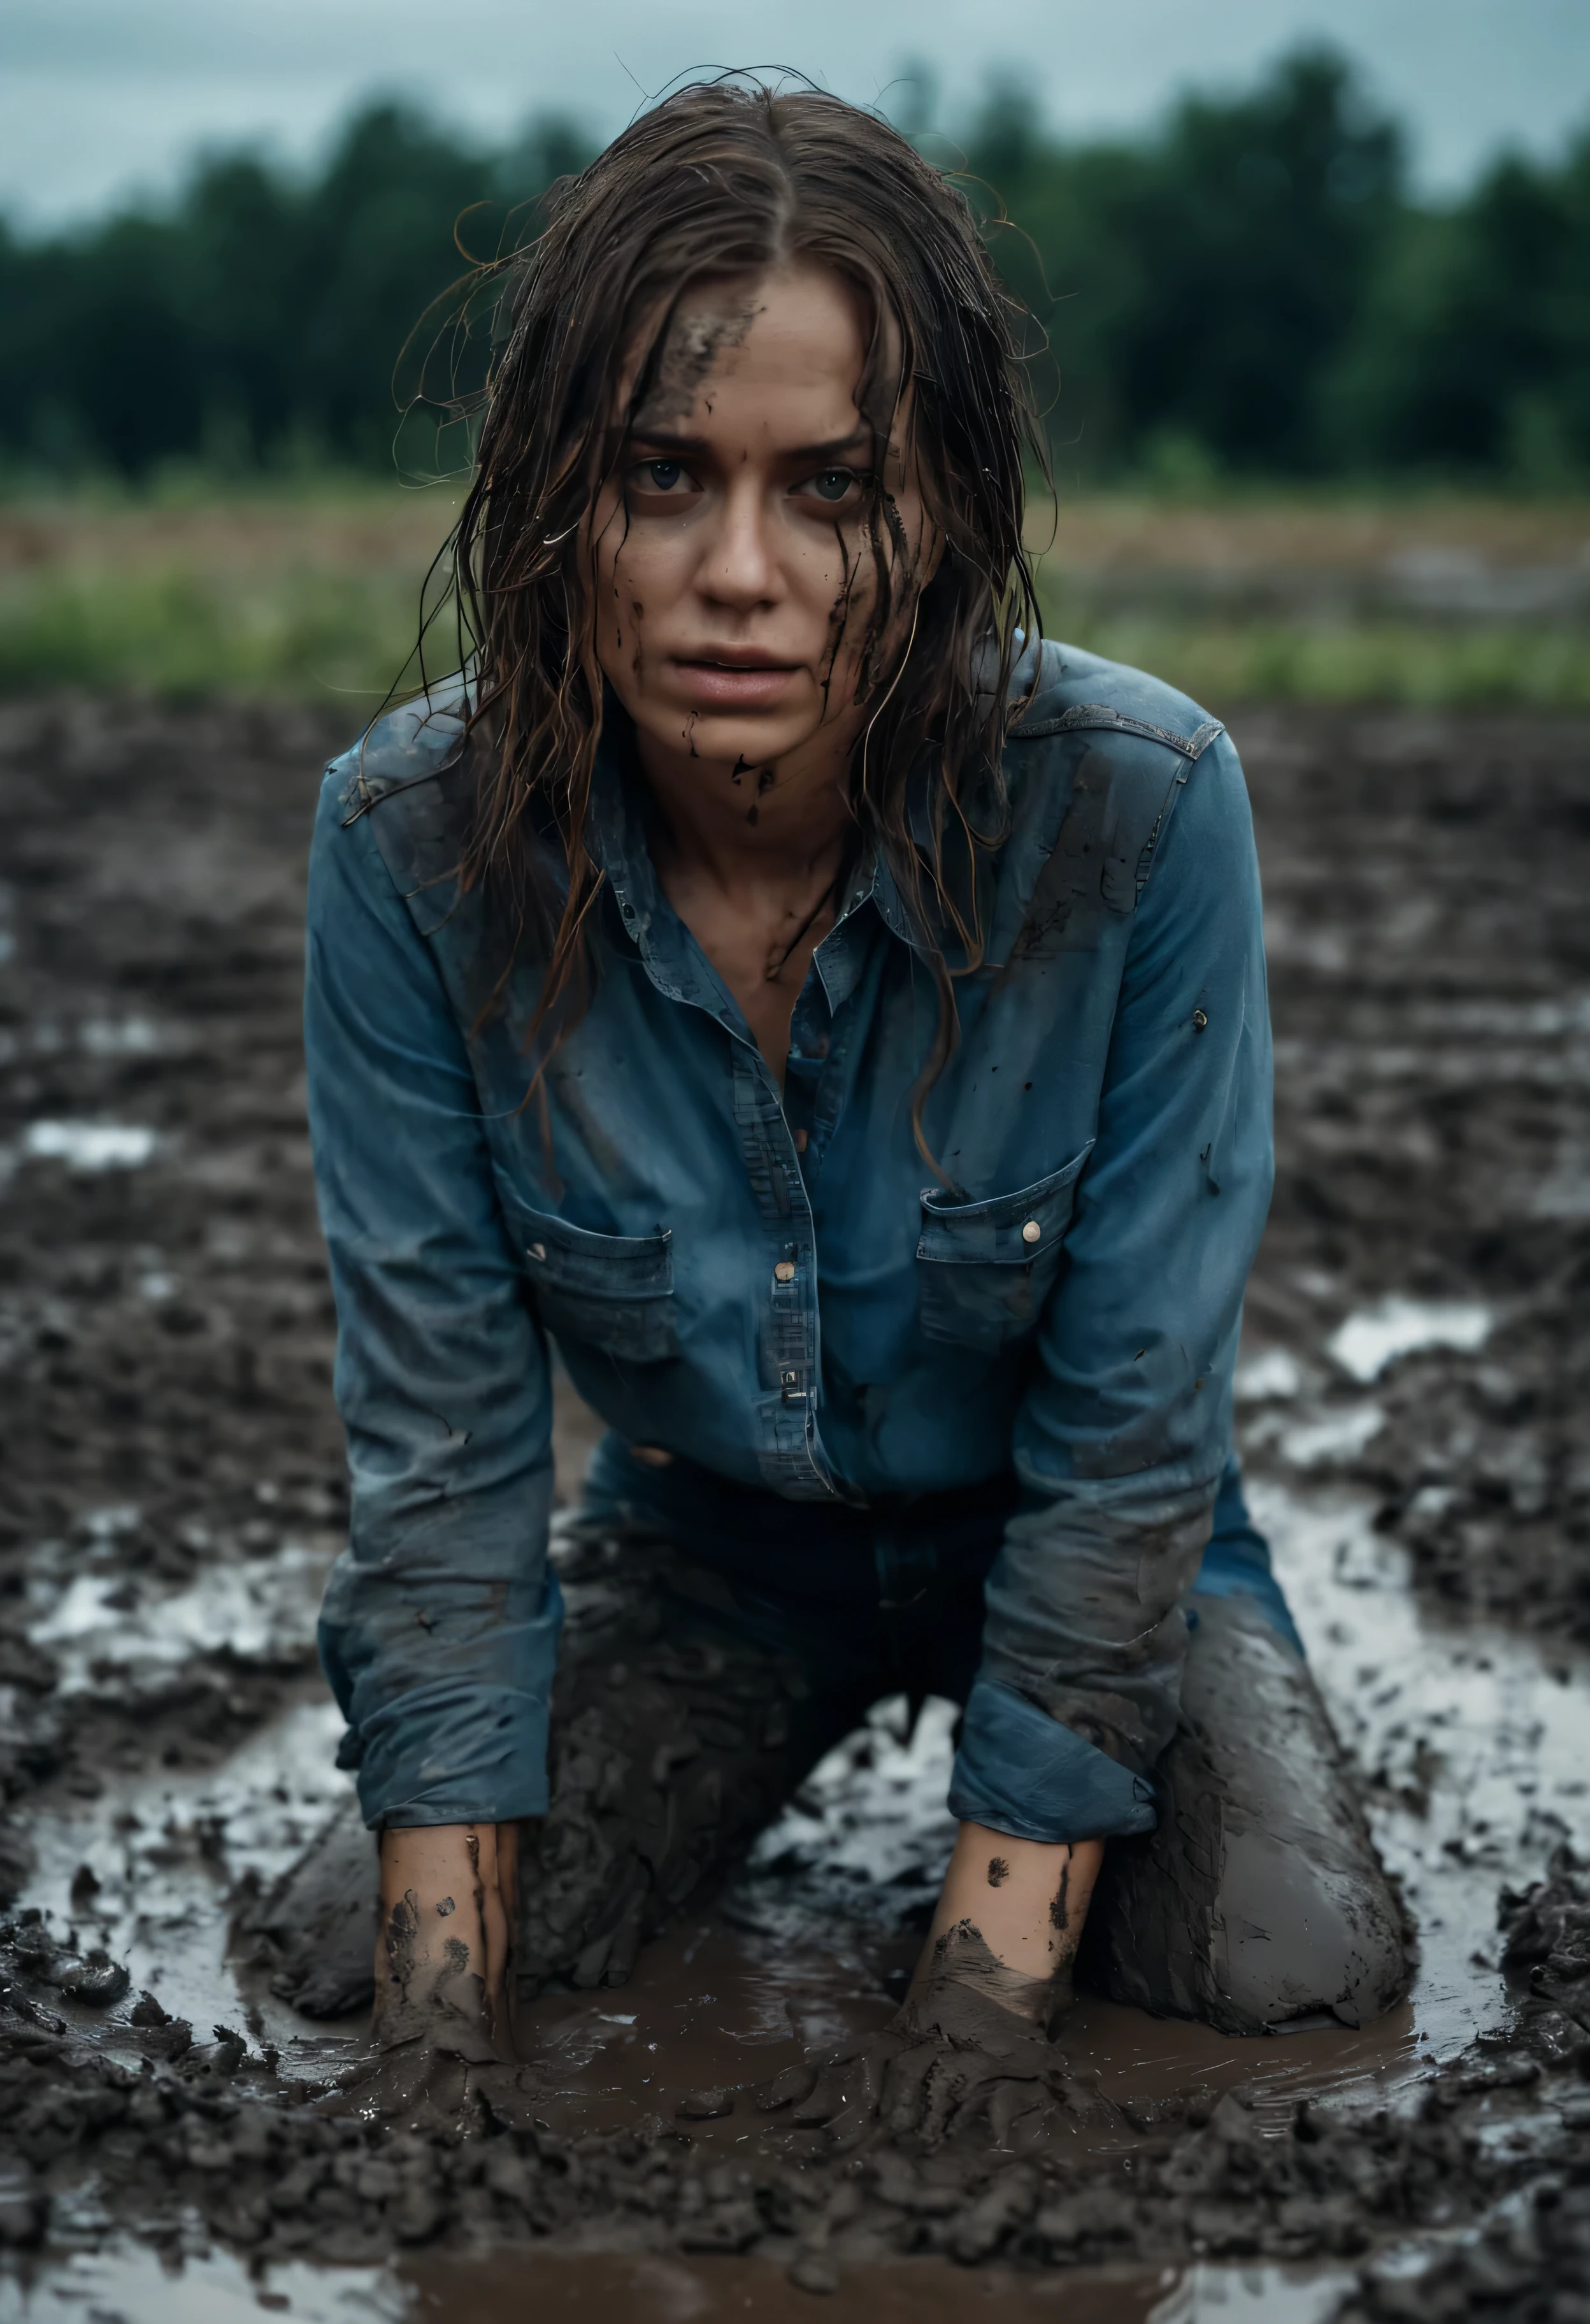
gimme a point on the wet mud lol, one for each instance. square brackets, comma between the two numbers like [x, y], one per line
[697, 2128]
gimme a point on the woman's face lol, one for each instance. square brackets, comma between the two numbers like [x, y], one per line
[735, 578]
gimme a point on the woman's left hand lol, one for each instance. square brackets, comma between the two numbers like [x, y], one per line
[1009, 1923]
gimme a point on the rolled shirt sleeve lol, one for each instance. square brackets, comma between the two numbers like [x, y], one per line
[439, 1629]
[1124, 1428]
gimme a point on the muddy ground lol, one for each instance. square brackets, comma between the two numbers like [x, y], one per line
[1414, 1395]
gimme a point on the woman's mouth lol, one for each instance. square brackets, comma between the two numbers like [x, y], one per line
[735, 680]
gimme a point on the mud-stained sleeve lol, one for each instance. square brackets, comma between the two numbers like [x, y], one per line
[1125, 1425]
[439, 1627]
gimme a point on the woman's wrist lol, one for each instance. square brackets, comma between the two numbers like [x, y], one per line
[1009, 1920]
[444, 1950]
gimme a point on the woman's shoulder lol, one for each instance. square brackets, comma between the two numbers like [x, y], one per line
[1100, 761]
[403, 792]
[1061, 689]
[415, 741]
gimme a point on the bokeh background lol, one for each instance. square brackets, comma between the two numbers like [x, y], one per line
[1310, 290]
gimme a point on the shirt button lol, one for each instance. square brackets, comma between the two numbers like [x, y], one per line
[784, 1271]
[1032, 1232]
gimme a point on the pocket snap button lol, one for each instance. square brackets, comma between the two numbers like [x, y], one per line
[784, 1271]
[536, 1250]
[1032, 1232]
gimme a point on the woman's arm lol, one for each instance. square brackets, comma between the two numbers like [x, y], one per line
[448, 1904]
[439, 1629]
[1125, 1426]
[1009, 1920]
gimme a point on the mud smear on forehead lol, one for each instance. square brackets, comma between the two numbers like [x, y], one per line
[1411, 1413]
[712, 322]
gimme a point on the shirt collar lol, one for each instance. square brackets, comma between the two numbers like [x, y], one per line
[615, 835]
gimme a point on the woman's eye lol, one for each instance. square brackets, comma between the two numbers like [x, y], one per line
[660, 476]
[833, 484]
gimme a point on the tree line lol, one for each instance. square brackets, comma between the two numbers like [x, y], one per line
[1252, 289]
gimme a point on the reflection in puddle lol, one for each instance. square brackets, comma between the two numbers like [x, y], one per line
[1367, 1343]
[88, 1146]
[146, 1869]
[1475, 1745]
[261, 1606]
[1336, 1436]
[130, 2283]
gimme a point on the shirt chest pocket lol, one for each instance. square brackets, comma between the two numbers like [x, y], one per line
[986, 1268]
[611, 1292]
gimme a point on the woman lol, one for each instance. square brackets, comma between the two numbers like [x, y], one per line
[841, 1025]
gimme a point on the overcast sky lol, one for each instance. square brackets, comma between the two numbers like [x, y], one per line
[101, 96]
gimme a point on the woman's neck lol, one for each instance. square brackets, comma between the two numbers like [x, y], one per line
[752, 867]
[747, 830]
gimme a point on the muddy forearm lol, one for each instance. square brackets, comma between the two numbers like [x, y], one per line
[444, 1946]
[1009, 1920]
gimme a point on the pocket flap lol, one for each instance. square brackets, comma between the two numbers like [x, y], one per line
[600, 1266]
[1009, 1230]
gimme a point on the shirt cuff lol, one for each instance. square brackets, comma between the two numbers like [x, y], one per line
[1020, 1772]
[453, 1755]
[464, 1742]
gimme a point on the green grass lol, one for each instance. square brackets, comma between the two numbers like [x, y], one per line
[173, 631]
[310, 587]
[1415, 665]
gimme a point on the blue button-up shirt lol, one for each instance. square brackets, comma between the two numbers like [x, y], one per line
[761, 1282]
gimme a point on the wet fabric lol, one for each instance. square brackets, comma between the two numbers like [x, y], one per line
[699, 1684]
[1258, 1900]
[776, 1288]
[887, 1599]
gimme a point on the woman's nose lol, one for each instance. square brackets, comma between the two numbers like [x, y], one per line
[740, 566]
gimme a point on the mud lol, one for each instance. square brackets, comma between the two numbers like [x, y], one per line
[170, 1493]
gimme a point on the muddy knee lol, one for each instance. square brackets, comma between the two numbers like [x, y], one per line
[672, 1742]
[1259, 1899]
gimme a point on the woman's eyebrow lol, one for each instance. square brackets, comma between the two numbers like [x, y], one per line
[668, 440]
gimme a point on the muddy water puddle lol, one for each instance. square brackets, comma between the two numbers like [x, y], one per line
[129, 2284]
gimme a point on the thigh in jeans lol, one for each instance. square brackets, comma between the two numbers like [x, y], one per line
[675, 1737]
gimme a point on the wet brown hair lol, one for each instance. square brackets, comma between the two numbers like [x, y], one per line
[721, 179]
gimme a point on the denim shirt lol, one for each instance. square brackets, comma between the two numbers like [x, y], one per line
[776, 1286]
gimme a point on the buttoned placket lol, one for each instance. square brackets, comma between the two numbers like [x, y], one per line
[790, 1453]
